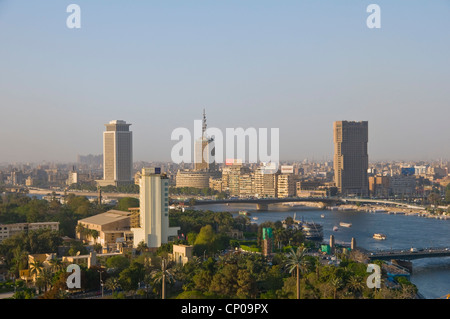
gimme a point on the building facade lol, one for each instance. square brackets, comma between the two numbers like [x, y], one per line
[154, 227]
[9, 230]
[286, 185]
[379, 186]
[351, 159]
[192, 178]
[117, 154]
[112, 226]
[266, 181]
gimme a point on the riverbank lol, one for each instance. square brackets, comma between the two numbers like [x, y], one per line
[391, 210]
[81, 193]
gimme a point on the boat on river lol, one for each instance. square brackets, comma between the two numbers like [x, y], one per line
[379, 236]
[345, 224]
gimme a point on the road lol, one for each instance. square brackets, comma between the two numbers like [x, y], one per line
[6, 295]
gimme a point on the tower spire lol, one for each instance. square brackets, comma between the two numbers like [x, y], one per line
[204, 123]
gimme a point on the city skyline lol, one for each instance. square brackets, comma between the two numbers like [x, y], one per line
[297, 66]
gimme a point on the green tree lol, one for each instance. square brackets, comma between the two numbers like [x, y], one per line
[296, 262]
[127, 202]
[204, 242]
[117, 263]
[20, 260]
[130, 277]
[447, 193]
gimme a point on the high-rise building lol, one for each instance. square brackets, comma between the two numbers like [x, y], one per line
[117, 154]
[154, 227]
[286, 185]
[351, 159]
[204, 167]
[231, 177]
[266, 182]
[203, 149]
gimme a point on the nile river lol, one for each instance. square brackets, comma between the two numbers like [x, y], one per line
[430, 275]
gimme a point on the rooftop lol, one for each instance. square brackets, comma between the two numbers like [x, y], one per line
[106, 218]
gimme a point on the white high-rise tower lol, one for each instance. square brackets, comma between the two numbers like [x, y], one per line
[154, 227]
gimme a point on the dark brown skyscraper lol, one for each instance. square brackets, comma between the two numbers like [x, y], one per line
[351, 160]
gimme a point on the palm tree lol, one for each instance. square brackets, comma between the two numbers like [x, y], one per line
[56, 264]
[112, 284]
[277, 236]
[94, 234]
[20, 258]
[296, 261]
[355, 284]
[160, 277]
[141, 247]
[336, 283]
[36, 268]
[81, 230]
[47, 277]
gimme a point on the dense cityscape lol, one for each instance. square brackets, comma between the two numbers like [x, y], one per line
[224, 158]
[138, 230]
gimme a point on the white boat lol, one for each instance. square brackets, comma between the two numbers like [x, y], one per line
[379, 236]
[335, 228]
[345, 224]
[322, 216]
[255, 218]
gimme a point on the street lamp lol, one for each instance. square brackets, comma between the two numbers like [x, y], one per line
[101, 281]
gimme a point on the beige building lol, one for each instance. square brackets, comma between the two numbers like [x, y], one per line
[192, 178]
[286, 185]
[202, 153]
[9, 230]
[246, 185]
[89, 260]
[311, 193]
[181, 254]
[112, 227]
[40, 259]
[351, 159]
[379, 185]
[215, 183]
[232, 177]
[266, 182]
[117, 154]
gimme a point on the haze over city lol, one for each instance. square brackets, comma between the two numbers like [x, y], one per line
[297, 66]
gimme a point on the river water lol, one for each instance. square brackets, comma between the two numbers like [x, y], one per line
[430, 275]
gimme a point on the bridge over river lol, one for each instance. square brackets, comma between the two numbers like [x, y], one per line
[263, 203]
[409, 254]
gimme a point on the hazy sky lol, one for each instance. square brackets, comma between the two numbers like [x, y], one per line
[293, 65]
